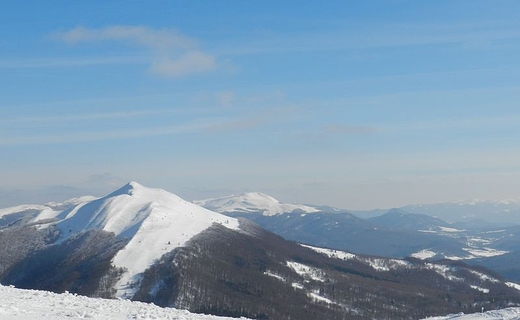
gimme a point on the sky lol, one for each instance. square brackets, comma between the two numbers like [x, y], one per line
[354, 104]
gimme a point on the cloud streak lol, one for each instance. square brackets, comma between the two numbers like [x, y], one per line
[138, 35]
[91, 136]
[349, 129]
[77, 62]
[87, 116]
[392, 35]
[175, 54]
[203, 125]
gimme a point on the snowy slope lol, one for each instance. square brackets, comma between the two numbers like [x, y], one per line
[38, 305]
[35, 212]
[252, 202]
[503, 314]
[154, 220]
[23, 209]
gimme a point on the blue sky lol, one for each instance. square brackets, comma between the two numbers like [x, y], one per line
[356, 104]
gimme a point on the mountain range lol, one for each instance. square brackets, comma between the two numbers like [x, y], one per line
[149, 245]
[415, 230]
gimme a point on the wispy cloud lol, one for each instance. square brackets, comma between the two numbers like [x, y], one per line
[238, 124]
[87, 116]
[391, 35]
[175, 54]
[348, 129]
[89, 136]
[201, 125]
[76, 62]
[188, 63]
[139, 35]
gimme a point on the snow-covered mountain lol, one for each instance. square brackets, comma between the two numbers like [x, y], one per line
[393, 233]
[153, 221]
[253, 202]
[36, 213]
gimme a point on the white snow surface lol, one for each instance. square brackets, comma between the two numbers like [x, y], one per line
[483, 252]
[445, 271]
[47, 211]
[513, 285]
[385, 264]
[378, 264]
[332, 253]
[155, 221]
[473, 254]
[252, 202]
[306, 271]
[424, 254]
[503, 314]
[316, 297]
[18, 304]
[23, 208]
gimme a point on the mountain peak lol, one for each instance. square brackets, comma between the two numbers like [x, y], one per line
[253, 202]
[258, 196]
[153, 221]
[129, 189]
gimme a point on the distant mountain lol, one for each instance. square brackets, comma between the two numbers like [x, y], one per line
[334, 228]
[505, 213]
[150, 245]
[253, 202]
[400, 219]
[398, 233]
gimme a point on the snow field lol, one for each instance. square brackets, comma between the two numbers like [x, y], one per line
[503, 314]
[18, 304]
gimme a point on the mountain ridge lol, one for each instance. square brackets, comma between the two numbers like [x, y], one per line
[253, 202]
[150, 245]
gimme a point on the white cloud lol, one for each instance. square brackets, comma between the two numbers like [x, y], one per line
[190, 62]
[139, 35]
[174, 54]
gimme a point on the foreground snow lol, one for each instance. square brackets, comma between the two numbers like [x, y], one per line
[504, 314]
[33, 305]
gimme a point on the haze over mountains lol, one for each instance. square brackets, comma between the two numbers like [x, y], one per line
[478, 232]
[150, 245]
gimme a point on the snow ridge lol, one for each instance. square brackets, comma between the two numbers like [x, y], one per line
[252, 202]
